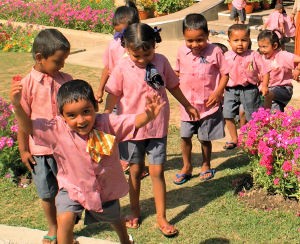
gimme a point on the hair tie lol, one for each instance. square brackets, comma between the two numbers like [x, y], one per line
[156, 30]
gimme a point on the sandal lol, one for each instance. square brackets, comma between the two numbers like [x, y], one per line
[132, 222]
[230, 145]
[168, 230]
[49, 239]
[182, 178]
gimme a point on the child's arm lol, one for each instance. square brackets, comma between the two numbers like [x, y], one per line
[296, 71]
[103, 81]
[217, 95]
[111, 101]
[265, 84]
[23, 145]
[152, 109]
[192, 112]
[24, 121]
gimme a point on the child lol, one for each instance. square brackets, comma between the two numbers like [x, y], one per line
[242, 88]
[89, 177]
[123, 16]
[50, 50]
[283, 71]
[203, 76]
[141, 73]
[238, 11]
[275, 20]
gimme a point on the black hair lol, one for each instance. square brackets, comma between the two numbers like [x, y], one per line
[140, 35]
[271, 36]
[195, 22]
[127, 14]
[236, 27]
[222, 46]
[48, 41]
[73, 91]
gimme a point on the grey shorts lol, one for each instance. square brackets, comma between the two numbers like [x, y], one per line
[282, 96]
[111, 210]
[207, 129]
[235, 96]
[135, 151]
[238, 13]
[44, 176]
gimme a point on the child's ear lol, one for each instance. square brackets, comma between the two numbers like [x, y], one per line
[275, 45]
[38, 57]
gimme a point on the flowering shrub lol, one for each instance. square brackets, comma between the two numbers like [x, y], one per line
[59, 13]
[10, 162]
[272, 139]
[171, 6]
[14, 38]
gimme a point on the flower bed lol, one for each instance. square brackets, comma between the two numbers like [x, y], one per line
[14, 38]
[79, 15]
[272, 139]
[10, 163]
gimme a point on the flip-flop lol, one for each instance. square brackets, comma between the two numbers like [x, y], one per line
[230, 145]
[184, 178]
[49, 239]
[132, 222]
[168, 230]
[209, 171]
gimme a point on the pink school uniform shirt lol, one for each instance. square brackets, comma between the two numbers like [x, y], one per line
[245, 68]
[113, 54]
[281, 64]
[86, 181]
[39, 100]
[199, 76]
[275, 18]
[127, 82]
[239, 4]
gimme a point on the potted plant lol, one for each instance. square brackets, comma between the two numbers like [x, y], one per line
[145, 8]
[266, 4]
[229, 4]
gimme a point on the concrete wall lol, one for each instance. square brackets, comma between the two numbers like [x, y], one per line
[172, 24]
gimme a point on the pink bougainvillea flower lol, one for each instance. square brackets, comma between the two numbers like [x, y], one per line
[276, 181]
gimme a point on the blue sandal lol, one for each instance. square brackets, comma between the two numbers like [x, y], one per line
[184, 178]
[209, 171]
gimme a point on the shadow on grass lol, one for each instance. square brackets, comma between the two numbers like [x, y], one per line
[193, 197]
[175, 161]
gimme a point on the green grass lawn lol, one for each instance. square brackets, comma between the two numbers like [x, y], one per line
[204, 212]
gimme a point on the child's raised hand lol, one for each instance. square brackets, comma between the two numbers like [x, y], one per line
[153, 106]
[16, 90]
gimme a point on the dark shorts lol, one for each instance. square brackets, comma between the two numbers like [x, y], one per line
[110, 214]
[44, 176]
[235, 96]
[135, 151]
[238, 13]
[282, 96]
[207, 129]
